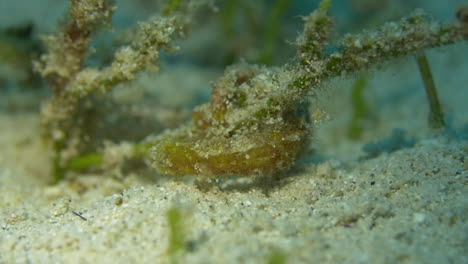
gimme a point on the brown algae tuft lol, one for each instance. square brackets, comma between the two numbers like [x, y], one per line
[233, 133]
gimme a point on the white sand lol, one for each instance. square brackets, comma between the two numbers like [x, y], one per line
[407, 207]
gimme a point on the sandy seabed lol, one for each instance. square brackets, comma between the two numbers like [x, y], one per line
[409, 206]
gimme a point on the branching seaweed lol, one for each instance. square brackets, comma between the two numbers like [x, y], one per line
[62, 66]
[257, 120]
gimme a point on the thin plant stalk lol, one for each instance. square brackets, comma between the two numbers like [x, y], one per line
[436, 116]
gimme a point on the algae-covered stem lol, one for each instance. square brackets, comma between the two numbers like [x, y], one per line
[414, 33]
[358, 51]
